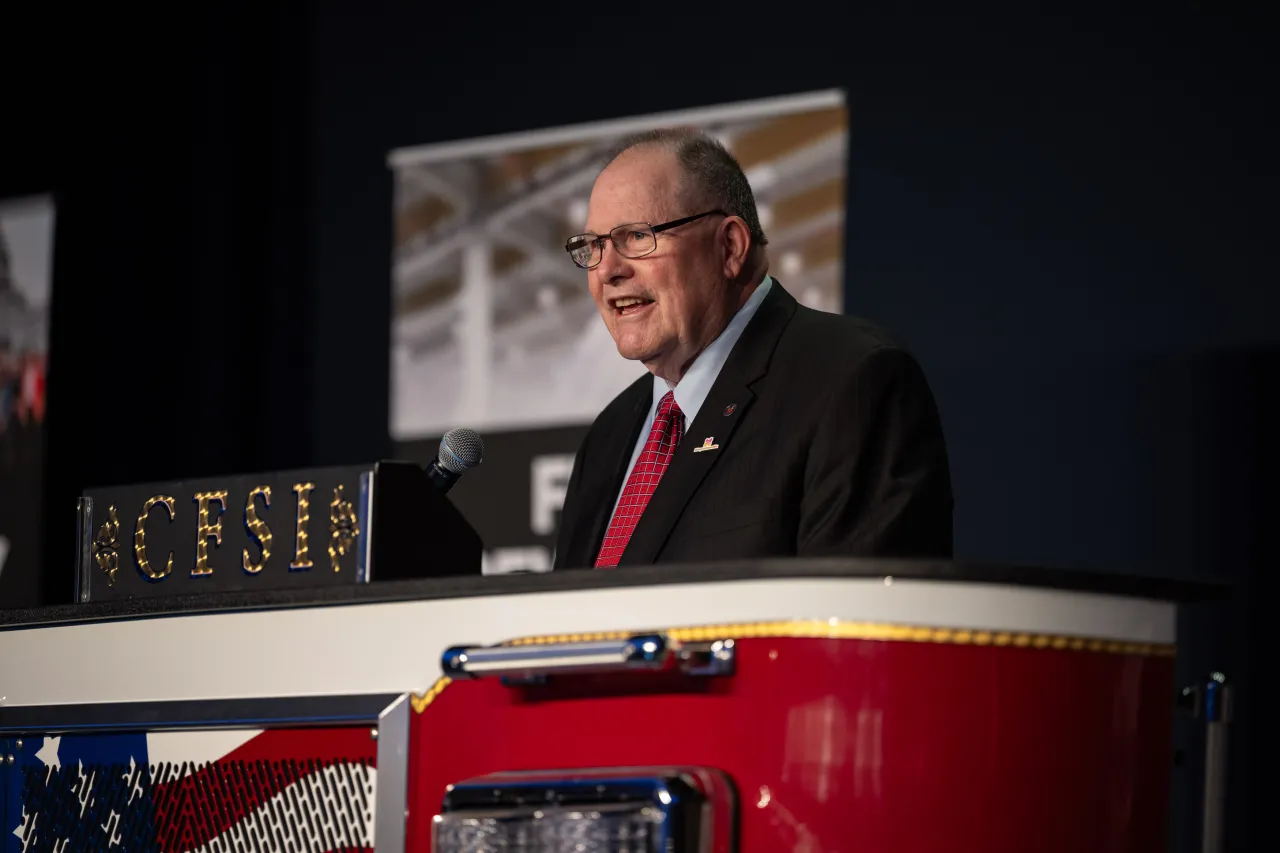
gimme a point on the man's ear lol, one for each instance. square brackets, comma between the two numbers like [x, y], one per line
[735, 239]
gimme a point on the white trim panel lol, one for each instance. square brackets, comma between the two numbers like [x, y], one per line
[396, 647]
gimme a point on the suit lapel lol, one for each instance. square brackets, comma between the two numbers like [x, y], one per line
[604, 489]
[724, 409]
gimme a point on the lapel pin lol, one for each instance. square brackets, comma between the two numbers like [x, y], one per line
[707, 444]
[729, 409]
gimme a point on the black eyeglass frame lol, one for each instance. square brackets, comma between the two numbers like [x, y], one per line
[598, 239]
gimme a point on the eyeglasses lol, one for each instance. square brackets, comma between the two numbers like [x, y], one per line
[633, 240]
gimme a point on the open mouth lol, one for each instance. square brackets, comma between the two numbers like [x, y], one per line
[626, 306]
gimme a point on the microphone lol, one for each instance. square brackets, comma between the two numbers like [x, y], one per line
[461, 450]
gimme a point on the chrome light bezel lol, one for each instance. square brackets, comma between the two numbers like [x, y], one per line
[693, 810]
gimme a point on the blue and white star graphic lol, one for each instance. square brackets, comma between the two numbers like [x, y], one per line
[75, 793]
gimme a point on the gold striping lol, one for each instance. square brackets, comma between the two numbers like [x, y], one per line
[420, 703]
[837, 630]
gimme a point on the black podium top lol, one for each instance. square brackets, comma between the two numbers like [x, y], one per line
[1150, 587]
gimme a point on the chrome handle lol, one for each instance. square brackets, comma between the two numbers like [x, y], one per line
[641, 652]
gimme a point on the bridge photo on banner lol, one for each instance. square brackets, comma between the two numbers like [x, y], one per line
[494, 327]
[26, 242]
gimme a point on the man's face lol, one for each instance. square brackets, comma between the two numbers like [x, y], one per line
[681, 287]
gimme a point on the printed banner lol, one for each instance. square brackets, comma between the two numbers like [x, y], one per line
[311, 789]
[26, 256]
[494, 327]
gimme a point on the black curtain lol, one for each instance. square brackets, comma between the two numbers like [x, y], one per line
[181, 324]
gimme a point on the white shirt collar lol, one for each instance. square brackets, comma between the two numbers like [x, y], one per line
[696, 383]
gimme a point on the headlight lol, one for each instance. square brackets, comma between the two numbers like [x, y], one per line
[589, 811]
[613, 829]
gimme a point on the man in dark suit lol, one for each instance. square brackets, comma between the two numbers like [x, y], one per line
[766, 428]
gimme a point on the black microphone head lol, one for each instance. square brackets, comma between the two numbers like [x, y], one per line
[461, 450]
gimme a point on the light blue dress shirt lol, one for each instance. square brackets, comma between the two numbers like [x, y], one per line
[696, 383]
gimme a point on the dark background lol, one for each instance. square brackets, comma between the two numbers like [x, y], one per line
[1069, 219]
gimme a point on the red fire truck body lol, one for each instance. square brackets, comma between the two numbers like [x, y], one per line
[815, 707]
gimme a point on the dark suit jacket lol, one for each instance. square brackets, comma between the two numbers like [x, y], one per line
[829, 441]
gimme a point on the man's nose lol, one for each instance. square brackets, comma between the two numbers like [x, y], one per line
[614, 266]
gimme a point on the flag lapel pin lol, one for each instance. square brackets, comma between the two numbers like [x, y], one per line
[708, 443]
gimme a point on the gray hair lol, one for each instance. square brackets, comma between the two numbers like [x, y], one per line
[713, 174]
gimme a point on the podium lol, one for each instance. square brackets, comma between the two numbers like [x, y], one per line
[762, 707]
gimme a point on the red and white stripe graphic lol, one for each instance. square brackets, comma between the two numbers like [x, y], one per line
[295, 790]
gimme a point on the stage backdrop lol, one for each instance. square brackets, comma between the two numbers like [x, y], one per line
[493, 325]
[26, 241]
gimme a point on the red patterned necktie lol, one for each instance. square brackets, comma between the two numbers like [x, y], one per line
[668, 426]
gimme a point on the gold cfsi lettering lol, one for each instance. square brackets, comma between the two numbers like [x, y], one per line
[301, 551]
[343, 527]
[258, 530]
[206, 530]
[140, 539]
